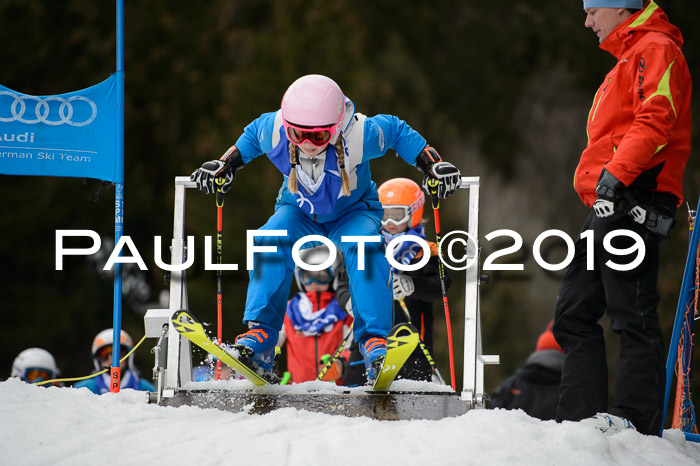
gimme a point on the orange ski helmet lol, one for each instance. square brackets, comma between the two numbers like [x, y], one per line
[402, 199]
[103, 344]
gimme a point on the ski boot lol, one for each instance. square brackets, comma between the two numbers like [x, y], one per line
[373, 350]
[608, 424]
[257, 350]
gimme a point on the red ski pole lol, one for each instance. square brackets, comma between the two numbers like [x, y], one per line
[219, 260]
[435, 201]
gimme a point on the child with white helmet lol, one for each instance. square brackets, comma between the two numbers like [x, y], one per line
[323, 147]
[35, 365]
[102, 359]
[314, 324]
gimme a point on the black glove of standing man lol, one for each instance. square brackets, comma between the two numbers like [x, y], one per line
[607, 204]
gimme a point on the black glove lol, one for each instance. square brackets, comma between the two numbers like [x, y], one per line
[607, 204]
[447, 175]
[224, 169]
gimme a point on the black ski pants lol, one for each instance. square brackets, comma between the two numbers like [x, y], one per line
[629, 299]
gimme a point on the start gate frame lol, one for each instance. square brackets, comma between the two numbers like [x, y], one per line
[173, 354]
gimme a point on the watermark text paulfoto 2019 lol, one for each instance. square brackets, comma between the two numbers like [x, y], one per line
[454, 242]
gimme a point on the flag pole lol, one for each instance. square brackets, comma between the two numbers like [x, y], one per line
[115, 372]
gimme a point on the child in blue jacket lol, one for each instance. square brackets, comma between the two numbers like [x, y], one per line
[323, 148]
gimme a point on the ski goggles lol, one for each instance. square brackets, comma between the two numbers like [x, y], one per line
[105, 352]
[37, 374]
[319, 136]
[396, 214]
[322, 277]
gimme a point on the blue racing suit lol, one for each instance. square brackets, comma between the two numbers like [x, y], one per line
[326, 212]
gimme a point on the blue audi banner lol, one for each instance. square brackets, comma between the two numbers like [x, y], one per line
[71, 134]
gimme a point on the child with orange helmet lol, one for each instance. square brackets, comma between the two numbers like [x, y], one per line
[102, 359]
[403, 201]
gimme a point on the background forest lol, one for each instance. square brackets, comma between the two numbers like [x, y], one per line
[502, 90]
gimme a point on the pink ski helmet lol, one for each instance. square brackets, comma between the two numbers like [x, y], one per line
[313, 102]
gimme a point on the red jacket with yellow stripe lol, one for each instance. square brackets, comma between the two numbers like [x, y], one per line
[639, 125]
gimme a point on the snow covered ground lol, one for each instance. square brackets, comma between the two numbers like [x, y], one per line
[66, 426]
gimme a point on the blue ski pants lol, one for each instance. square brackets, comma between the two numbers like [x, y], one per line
[272, 273]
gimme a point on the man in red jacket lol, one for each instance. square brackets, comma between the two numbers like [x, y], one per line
[631, 174]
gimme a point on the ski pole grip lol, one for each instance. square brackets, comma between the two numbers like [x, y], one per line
[220, 180]
[433, 185]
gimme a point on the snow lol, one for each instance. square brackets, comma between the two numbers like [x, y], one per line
[67, 426]
[316, 386]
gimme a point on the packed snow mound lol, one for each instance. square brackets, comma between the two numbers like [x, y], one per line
[75, 427]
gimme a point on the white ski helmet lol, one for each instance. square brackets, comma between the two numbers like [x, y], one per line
[315, 256]
[35, 359]
[105, 338]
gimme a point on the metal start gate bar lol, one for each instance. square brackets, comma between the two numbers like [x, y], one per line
[173, 354]
[390, 406]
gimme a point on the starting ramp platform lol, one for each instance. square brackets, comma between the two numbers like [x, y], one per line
[387, 406]
[173, 373]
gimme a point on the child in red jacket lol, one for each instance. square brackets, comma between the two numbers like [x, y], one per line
[314, 324]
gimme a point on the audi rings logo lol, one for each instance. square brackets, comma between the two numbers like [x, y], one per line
[51, 110]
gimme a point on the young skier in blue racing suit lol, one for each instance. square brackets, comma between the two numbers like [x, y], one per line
[323, 148]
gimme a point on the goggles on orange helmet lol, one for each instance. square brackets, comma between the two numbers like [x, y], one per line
[396, 214]
[105, 352]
